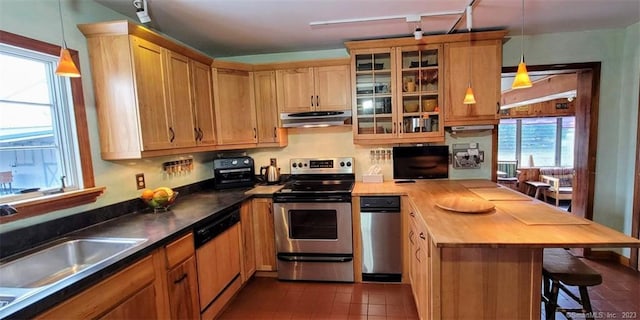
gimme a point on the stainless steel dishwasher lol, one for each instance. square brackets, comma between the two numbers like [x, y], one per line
[381, 238]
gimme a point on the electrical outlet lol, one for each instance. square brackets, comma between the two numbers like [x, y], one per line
[140, 184]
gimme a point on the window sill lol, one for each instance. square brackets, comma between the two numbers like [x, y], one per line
[40, 205]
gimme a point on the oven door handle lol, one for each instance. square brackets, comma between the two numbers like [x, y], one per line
[314, 258]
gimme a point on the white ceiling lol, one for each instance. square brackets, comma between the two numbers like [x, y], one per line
[223, 28]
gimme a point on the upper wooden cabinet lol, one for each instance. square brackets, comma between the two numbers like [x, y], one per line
[314, 88]
[204, 118]
[146, 95]
[266, 106]
[407, 90]
[485, 58]
[234, 106]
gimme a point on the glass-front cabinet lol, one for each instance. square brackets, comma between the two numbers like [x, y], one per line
[397, 94]
[374, 87]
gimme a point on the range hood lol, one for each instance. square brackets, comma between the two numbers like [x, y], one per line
[454, 129]
[315, 119]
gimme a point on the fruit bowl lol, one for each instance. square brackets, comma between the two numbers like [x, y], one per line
[160, 199]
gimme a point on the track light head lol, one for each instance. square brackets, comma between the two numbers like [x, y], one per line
[142, 10]
[418, 33]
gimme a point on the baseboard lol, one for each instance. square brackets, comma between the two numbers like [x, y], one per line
[266, 274]
[609, 255]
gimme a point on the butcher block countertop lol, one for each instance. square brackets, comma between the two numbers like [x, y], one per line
[516, 221]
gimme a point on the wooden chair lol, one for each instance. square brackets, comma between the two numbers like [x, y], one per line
[560, 181]
[6, 178]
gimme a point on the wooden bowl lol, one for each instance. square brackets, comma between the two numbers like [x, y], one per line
[411, 106]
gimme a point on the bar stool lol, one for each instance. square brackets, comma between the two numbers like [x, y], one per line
[560, 269]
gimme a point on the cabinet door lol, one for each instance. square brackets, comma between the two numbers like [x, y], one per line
[152, 96]
[295, 90]
[141, 305]
[265, 238]
[182, 287]
[234, 106]
[332, 88]
[486, 66]
[179, 91]
[266, 106]
[247, 241]
[203, 103]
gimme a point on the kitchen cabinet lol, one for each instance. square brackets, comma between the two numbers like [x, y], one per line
[247, 241]
[266, 106]
[264, 234]
[420, 261]
[204, 117]
[483, 59]
[314, 88]
[398, 94]
[128, 294]
[234, 107]
[145, 91]
[181, 279]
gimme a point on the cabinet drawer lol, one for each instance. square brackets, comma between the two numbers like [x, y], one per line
[179, 250]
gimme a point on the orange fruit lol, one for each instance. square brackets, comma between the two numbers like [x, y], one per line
[147, 194]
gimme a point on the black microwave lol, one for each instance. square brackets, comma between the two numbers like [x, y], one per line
[420, 162]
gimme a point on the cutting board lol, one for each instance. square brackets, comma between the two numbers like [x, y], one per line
[478, 184]
[464, 204]
[501, 193]
[538, 214]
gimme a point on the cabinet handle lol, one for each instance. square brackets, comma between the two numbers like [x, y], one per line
[255, 133]
[411, 236]
[201, 134]
[184, 276]
[317, 101]
[173, 135]
[422, 236]
[197, 134]
[413, 214]
[394, 127]
[312, 101]
[416, 254]
[497, 107]
[275, 132]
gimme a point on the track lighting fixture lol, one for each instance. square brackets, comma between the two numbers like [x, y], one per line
[142, 10]
[417, 34]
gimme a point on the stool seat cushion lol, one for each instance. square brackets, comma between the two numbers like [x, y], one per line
[561, 265]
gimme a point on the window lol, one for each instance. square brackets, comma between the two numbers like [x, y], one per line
[43, 130]
[36, 127]
[549, 140]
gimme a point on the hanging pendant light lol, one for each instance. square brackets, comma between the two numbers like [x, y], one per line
[469, 98]
[522, 77]
[66, 66]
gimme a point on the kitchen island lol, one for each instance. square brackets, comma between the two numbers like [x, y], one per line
[485, 265]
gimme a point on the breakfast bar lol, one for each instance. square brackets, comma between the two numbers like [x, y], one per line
[484, 264]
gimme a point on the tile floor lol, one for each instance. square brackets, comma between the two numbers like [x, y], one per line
[267, 298]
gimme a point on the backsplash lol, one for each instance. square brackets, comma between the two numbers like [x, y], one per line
[338, 142]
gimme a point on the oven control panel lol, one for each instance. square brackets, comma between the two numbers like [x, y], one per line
[321, 165]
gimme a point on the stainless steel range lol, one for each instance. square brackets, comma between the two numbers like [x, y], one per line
[312, 216]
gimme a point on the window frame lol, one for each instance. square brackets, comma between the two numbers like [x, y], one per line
[89, 192]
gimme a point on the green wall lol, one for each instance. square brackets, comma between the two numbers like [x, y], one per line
[617, 49]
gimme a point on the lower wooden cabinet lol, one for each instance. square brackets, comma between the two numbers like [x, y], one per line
[264, 234]
[247, 241]
[419, 265]
[128, 294]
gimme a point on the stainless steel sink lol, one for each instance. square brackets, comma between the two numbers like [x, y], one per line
[63, 259]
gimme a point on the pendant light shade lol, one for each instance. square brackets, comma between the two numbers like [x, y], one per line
[66, 66]
[522, 77]
[468, 96]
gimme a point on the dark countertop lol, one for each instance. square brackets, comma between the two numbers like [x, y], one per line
[158, 228]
